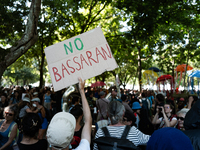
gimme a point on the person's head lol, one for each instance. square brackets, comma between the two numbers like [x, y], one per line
[90, 94]
[75, 100]
[25, 101]
[114, 94]
[35, 101]
[77, 111]
[11, 112]
[129, 118]
[169, 138]
[136, 107]
[102, 94]
[3, 97]
[143, 94]
[48, 91]
[181, 103]
[35, 94]
[148, 93]
[124, 98]
[181, 116]
[31, 124]
[160, 98]
[194, 98]
[16, 93]
[168, 108]
[61, 130]
[115, 112]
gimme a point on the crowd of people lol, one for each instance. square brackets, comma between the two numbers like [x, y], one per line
[32, 118]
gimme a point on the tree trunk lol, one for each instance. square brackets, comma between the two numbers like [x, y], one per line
[41, 67]
[28, 39]
[139, 69]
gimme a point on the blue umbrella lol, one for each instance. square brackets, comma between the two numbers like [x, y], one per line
[155, 69]
[195, 74]
[192, 75]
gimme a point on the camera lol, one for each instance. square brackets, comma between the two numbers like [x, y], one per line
[160, 109]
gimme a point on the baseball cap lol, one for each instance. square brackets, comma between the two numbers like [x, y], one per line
[26, 99]
[35, 93]
[60, 131]
[35, 99]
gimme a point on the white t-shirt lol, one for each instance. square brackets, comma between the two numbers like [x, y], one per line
[162, 122]
[83, 145]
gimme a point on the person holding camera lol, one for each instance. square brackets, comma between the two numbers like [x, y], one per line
[164, 116]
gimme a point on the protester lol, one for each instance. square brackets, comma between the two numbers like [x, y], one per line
[116, 112]
[15, 98]
[42, 113]
[113, 96]
[169, 139]
[8, 127]
[181, 117]
[167, 119]
[30, 126]
[160, 100]
[191, 100]
[77, 112]
[129, 119]
[47, 99]
[3, 104]
[61, 128]
[136, 110]
[75, 101]
[127, 107]
[192, 126]
[102, 104]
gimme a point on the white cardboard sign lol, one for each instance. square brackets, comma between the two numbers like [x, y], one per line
[86, 55]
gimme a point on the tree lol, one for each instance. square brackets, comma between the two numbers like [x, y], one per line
[10, 55]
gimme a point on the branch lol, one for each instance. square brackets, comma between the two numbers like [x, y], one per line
[29, 38]
[96, 15]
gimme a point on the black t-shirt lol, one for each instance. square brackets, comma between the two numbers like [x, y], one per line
[40, 145]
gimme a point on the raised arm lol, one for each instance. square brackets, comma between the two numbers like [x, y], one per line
[86, 132]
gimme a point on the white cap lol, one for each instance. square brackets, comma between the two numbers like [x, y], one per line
[35, 93]
[26, 99]
[35, 99]
[60, 131]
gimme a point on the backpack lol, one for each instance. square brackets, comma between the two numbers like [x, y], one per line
[145, 104]
[113, 143]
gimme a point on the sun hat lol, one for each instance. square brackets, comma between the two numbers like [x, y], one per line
[136, 105]
[26, 99]
[35, 99]
[61, 130]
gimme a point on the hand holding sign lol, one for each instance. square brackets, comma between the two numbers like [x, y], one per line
[81, 84]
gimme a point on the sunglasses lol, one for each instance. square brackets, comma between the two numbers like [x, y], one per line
[181, 118]
[9, 114]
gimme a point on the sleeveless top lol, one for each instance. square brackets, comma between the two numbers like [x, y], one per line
[47, 98]
[4, 135]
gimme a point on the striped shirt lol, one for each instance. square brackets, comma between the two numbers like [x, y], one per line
[134, 135]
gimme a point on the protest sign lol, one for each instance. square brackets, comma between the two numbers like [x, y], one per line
[86, 55]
